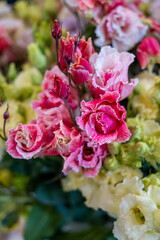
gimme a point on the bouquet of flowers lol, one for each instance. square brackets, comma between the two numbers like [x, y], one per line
[99, 111]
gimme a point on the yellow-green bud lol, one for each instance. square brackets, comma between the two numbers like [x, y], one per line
[36, 57]
[114, 148]
[110, 163]
[12, 72]
[153, 179]
[137, 89]
[141, 148]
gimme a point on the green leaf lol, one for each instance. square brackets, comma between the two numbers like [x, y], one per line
[10, 219]
[41, 223]
[50, 194]
[98, 233]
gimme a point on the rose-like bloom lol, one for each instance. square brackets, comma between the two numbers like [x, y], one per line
[80, 70]
[51, 118]
[90, 157]
[149, 47]
[86, 48]
[122, 27]
[26, 140]
[78, 151]
[103, 119]
[68, 142]
[110, 70]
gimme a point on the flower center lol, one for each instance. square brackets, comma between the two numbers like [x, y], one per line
[105, 124]
[87, 152]
[138, 215]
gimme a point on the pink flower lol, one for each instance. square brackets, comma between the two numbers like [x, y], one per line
[48, 98]
[110, 70]
[80, 70]
[110, 5]
[46, 101]
[90, 157]
[149, 47]
[67, 140]
[26, 140]
[86, 48]
[122, 27]
[67, 51]
[103, 119]
[94, 8]
[78, 151]
[51, 118]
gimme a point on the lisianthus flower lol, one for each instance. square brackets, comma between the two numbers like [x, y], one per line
[110, 73]
[103, 119]
[68, 142]
[137, 218]
[78, 151]
[148, 48]
[86, 48]
[90, 157]
[67, 51]
[80, 70]
[26, 140]
[122, 27]
[56, 88]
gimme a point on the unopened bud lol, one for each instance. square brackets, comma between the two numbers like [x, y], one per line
[56, 30]
[110, 163]
[6, 114]
[60, 88]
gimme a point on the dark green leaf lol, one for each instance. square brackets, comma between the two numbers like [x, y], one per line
[10, 219]
[41, 223]
[98, 233]
[50, 194]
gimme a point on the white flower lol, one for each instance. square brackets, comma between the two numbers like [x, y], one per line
[105, 190]
[139, 216]
[135, 218]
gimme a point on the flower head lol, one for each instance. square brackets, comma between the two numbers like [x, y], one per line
[149, 47]
[122, 27]
[103, 119]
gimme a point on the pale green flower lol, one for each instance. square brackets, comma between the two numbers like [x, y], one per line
[146, 103]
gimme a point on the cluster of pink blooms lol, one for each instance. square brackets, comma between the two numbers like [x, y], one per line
[118, 22]
[78, 111]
